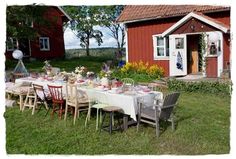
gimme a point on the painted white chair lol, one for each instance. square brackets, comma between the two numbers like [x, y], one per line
[98, 103]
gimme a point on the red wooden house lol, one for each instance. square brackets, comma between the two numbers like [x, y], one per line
[183, 39]
[50, 40]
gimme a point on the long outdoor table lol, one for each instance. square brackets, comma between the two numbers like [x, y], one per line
[128, 102]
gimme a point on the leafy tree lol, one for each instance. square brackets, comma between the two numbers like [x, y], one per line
[20, 20]
[110, 14]
[84, 20]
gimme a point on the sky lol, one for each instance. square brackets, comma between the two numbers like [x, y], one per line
[71, 41]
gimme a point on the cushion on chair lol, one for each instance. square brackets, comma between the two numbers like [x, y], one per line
[112, 109]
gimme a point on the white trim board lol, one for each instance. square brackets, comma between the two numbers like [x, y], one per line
[199, 17]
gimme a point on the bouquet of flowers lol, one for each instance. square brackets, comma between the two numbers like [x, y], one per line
[81, 70]
[105, 72]
[47, 66]
[90, 74]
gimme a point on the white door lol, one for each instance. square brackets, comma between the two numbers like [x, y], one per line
[178, 55]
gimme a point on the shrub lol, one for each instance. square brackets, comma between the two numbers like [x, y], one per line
[214, 87]
[139, 71]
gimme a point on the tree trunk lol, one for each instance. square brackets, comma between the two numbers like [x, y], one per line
[87, 46]
[87, 50]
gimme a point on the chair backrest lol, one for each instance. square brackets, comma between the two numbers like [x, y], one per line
[71, 94]
[55, 70]
[128, 83]
[56, 93]
[169, 103]
[39, 91]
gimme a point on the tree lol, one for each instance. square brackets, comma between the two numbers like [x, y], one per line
[110, 14]
[84, 20]
[21, 18]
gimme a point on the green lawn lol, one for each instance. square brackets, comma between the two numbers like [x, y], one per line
[203, 127]
[93, 63]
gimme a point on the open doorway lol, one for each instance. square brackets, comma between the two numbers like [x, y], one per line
[194, 65]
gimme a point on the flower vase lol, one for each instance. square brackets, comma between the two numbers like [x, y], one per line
[104, 81]
[48, 72]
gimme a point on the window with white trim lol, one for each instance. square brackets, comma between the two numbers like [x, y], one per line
[161, 47]
[11, 44]
[44, 43]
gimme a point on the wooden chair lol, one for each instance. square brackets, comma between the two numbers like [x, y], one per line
[42, 98]
[152, 114]
[77, 99]
[30, 100]
[57, 100]
[128, 84]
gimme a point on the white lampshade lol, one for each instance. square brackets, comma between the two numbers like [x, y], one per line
[214, 37]
[17, 54]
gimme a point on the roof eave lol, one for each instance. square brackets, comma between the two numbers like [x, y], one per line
[67, 16]
[170, 16]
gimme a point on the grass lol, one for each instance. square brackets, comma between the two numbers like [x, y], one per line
[203, 127]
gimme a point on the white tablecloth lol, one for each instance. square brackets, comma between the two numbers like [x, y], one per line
[128, 103]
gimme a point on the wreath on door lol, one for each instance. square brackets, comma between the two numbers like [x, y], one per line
[179, 63]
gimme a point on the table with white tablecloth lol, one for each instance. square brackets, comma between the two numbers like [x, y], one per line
[128, 102]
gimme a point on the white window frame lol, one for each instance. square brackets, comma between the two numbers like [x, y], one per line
[48, 44]
[156, 57]
[14, 46]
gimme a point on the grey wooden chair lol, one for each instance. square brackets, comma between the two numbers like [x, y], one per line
[152, 114]
[128, 84]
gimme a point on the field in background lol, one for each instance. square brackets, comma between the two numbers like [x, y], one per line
[97, 52]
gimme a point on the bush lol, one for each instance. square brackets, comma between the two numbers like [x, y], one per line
[140, 72]
[214, 87]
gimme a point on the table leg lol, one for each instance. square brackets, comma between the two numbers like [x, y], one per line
[125, 122]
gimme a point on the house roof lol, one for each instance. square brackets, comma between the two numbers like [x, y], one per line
[201, 17]
[66, 15]
[132, 13]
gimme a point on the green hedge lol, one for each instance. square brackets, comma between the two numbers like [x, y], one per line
[214, 87]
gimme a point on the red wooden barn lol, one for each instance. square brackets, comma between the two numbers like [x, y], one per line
[50, 41]
[183, 39]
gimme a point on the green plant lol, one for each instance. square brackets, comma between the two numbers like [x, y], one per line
[214, 87]
[139, 71]
[202, 53]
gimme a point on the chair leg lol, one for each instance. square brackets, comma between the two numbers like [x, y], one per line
[103, 119]
[97, 119]
[46, 105]
[172, 123]
[75, 115]
[34, 106]
[87, 117]
[157, 128]
[110, 125]
[60, 111]
[66, 109]
[25, 102]
[53, 110]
